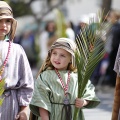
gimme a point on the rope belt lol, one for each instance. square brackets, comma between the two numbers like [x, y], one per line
[66, 109]
[7, 92]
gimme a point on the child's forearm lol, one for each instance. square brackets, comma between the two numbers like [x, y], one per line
[24, 108]
[44, 114]
[22, 115]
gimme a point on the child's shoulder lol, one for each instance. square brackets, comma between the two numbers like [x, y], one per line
[15, 45]
[47, 73]
[74, 73]
[18, 48]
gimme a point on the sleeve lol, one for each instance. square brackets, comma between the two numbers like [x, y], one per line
[117, 63]
[40, 97]
[25, 84]
[90, 95]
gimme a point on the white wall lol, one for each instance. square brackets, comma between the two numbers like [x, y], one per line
[80, 7]
[116, 4]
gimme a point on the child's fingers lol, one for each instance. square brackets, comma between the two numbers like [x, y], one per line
[79, 103]
[17, 117]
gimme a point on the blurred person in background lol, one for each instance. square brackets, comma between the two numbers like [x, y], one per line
[98, 74]
[114, 39]
[46, 38]
[28, 43]
[83, 21]
[116, 105]
[70, 33]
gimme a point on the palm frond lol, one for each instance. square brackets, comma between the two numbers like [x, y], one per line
[2, 84]
[60, 23]
[90, 50]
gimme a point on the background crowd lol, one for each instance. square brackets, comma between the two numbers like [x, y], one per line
[37, 40]
[36, 44]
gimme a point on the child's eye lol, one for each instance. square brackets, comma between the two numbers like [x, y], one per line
[8, 20]
[63, 55]
[54, 53]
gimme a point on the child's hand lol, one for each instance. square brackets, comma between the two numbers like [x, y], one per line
[79, 103]
[21, 116]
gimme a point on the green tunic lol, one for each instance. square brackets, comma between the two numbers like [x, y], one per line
[48, 90]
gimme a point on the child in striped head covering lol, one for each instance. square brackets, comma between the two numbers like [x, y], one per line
[56, 87]
[63, 43]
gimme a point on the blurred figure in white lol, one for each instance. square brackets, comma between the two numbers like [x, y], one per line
[114, 38]
[47, 37]
[82, 22]
[70, 30]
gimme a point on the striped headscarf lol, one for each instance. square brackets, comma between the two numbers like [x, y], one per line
[66, 44]
[6, 13]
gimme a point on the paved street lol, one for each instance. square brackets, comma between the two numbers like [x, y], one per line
[104, 110]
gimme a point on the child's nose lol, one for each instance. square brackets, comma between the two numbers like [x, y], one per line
[57, 57]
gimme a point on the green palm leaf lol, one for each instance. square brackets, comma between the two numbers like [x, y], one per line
[90, 50]
[1, 101]
[2, 84]
[60, 23]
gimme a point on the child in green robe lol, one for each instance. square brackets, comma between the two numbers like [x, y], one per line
[56, 87]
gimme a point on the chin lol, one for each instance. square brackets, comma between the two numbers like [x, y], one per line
[60, 68]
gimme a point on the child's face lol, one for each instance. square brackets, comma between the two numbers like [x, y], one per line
[5, 26]
[60, 58]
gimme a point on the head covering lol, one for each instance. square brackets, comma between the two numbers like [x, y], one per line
[66, 44]
[84, 19]
[6, 12]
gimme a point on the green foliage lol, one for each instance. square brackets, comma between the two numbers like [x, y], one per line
[90, 50]
[2, 84]
[20, 9]
[60, 24]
